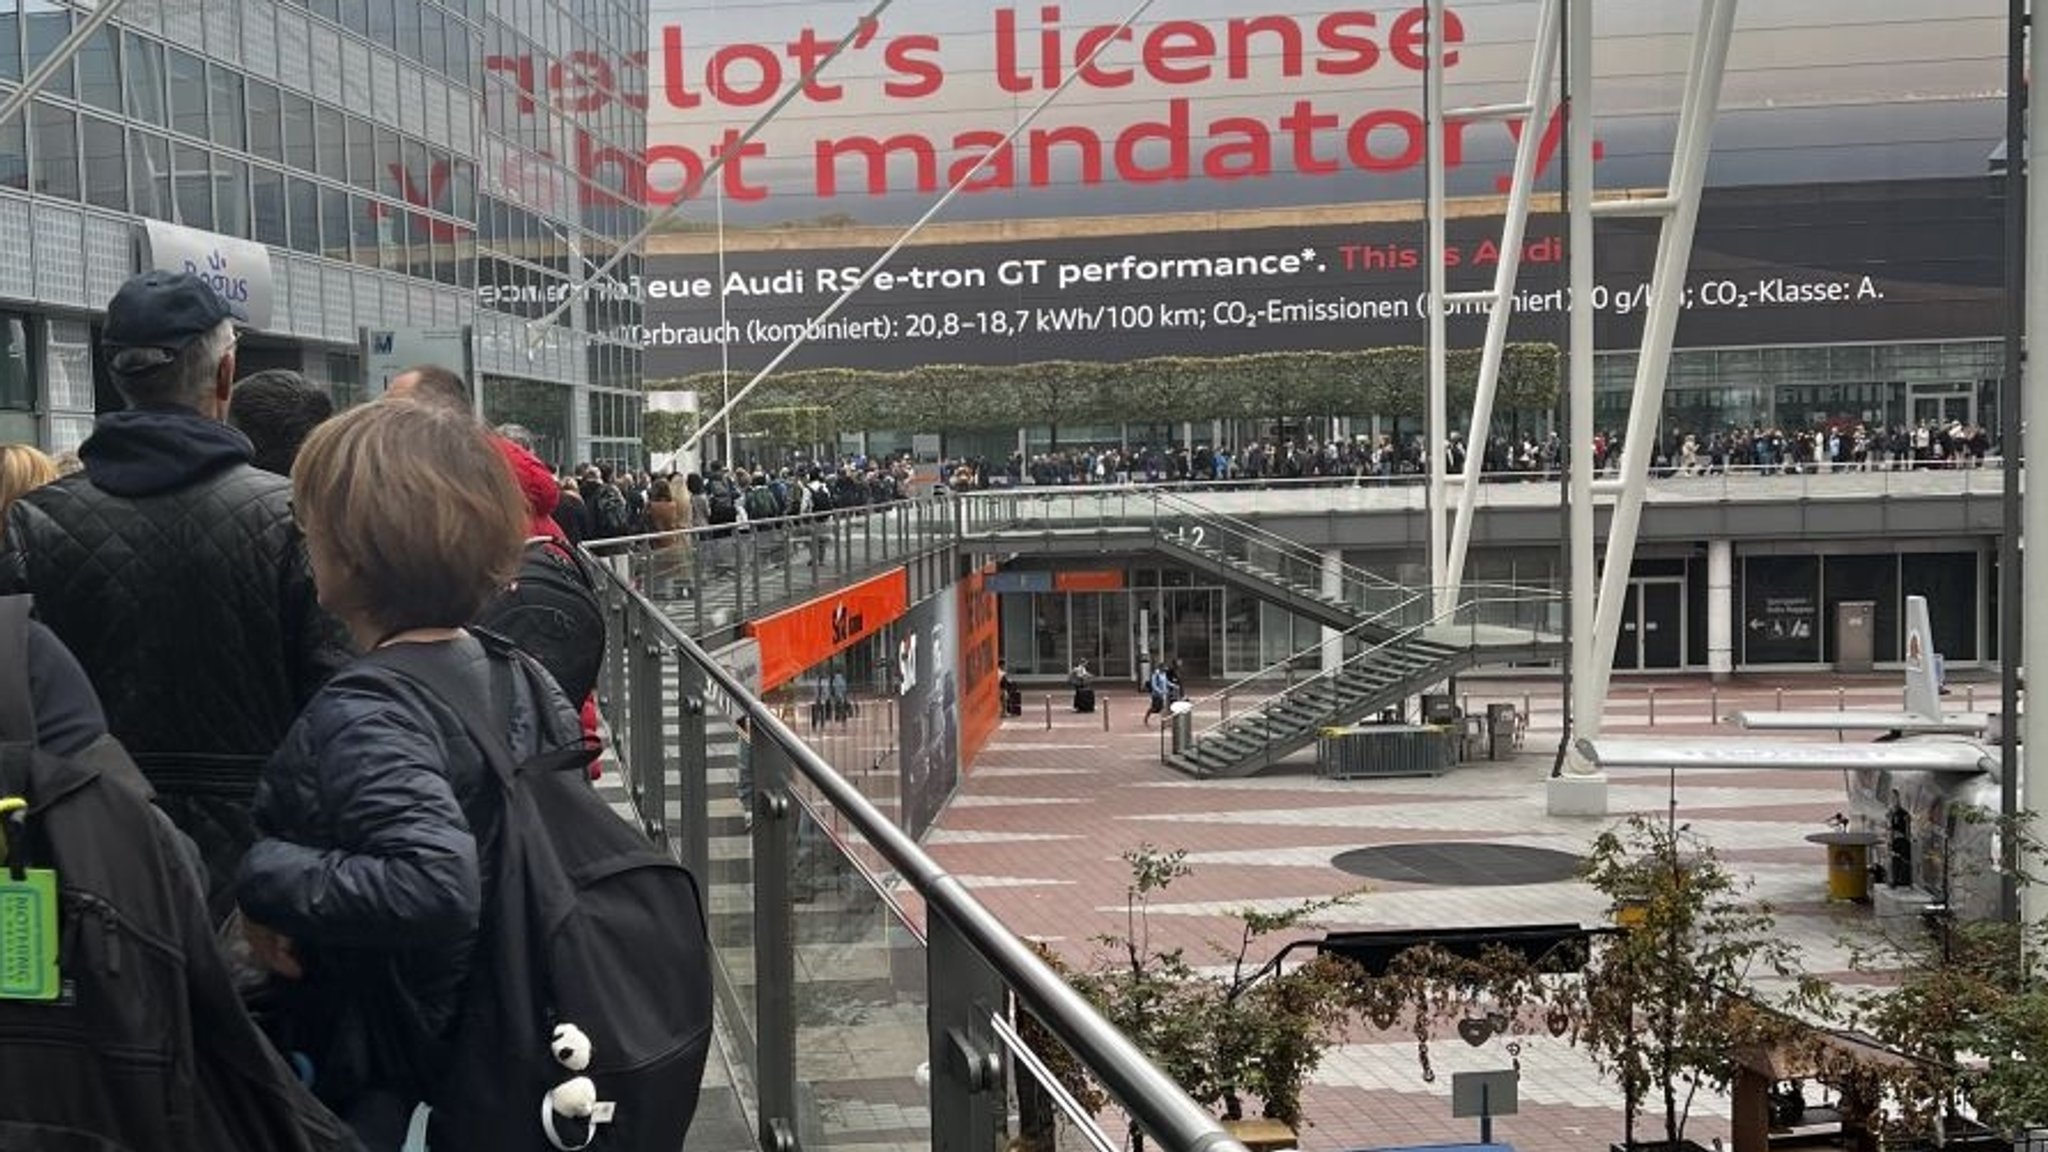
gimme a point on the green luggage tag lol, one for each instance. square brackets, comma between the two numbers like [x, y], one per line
[28, 920]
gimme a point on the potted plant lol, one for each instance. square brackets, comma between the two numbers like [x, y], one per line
[1667, 1002]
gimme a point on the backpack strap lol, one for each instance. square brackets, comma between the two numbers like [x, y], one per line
[485, 714]
[17, 705]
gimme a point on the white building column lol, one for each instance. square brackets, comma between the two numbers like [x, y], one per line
[1720, 609]
[1333, 585]
[2034, 444]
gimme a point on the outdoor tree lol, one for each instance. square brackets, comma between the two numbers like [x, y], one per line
[1671, 1001]
[1258, 1032]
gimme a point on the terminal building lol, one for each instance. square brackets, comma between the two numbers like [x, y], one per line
[351, 168]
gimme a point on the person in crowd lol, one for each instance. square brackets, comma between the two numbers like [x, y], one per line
[172, 569]
[431, 384]
[667, 517]
[572, 515]
[1157, 686]
[23, 467]
[68, 463]
[276, 410]
[380, 816]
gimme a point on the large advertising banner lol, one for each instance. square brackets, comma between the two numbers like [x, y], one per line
[928, 699]
[1234, 104]
[981, 704]
[817, 630]
[1851, 263]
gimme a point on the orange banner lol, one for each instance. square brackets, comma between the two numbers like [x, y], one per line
[981, 704]
[1107, 581]
[802, 637]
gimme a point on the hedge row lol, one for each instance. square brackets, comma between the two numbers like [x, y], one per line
[947, 397]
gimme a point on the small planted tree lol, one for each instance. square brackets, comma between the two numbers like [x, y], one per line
[1669, 1002]
[1257, 1033]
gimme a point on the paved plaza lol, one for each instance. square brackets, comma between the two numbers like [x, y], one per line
[1038, 826]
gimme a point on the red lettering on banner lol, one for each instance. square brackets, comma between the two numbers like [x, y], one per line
[1165, 144]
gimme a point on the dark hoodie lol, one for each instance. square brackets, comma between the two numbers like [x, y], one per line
[172, 569]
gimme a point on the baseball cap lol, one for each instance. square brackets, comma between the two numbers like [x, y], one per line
[157, 313]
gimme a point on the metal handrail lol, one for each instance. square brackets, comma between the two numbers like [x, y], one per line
[1278, 542]
[1331, 674]
[1151, 1097]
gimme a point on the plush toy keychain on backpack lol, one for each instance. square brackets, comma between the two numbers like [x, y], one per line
[571, 1112]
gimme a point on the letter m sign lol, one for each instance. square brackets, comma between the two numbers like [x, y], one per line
[380, 342]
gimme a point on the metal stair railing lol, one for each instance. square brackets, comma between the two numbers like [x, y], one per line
[1473, 607]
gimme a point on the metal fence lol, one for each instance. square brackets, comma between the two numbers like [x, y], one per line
[852, 970]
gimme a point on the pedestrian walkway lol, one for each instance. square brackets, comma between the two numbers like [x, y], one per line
[1038, 826]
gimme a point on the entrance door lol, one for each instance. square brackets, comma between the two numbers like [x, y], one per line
[1943, 404]
[1652, 626]
[1663, 623]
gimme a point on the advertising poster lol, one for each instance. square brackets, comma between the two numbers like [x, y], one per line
[1236, 178]
[928, 699]
[981, 704]
[802, 637]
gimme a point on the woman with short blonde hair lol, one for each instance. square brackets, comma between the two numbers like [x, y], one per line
[23, 468]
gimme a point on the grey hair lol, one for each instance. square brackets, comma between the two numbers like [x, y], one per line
[187, 377]
[519, 434]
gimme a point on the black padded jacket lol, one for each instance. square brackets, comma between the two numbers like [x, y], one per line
[380, 821]
[173, 570]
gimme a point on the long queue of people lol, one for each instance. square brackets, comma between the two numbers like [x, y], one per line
[291, 760]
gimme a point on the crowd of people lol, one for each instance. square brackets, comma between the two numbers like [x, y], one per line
[300, 847]
[1768, 449]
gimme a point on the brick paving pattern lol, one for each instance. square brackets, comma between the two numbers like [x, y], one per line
[1038, 826]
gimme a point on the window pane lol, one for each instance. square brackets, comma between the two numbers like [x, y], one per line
[267, 218]
[188, 94]
[389, 164]
[229, 129]
[46, 25]
[304, 222]
[328, 8]
[149, 174]
[299, 152]
[384, 23]
[375, 226]
[10, 40]
[332, 143]
[14, 153]
[231, 195]
[56, 150]
[99, 70]
[355, 16]
[192, 170]
[362, 155]
[266, 121]
[433, 35]
[17, 383]
[143, 72]
[334, 223]
[106, 164]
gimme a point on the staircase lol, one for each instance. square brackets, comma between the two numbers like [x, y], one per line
[1305, 600]
[1384, 675]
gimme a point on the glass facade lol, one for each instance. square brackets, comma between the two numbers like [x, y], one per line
[406, 164]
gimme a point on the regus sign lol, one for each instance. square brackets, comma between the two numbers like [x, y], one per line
[238, 269]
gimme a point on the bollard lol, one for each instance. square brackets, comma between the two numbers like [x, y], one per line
[1841, 705]
[1048, 712]
[1525, 707]
[1969, 698]
[1714, 705]
[1781, 699]
[1105, 713]
[1653, 707]
[1226, 707]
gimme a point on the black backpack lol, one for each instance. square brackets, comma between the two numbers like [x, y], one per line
[762, 504]
[821, 496]
[589, 924]
[614, 515]
[725, 505]
[553, 613]
[145, 1044]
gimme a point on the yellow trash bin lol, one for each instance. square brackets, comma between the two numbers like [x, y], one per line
[1848, 863]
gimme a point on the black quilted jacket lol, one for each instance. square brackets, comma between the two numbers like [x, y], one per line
[172, 569]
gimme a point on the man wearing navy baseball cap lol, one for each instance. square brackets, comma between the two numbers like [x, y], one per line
[172, 569]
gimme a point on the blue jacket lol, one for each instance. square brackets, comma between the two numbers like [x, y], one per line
[379, 820]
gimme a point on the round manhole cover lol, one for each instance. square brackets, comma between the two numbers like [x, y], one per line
[1460, 864]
